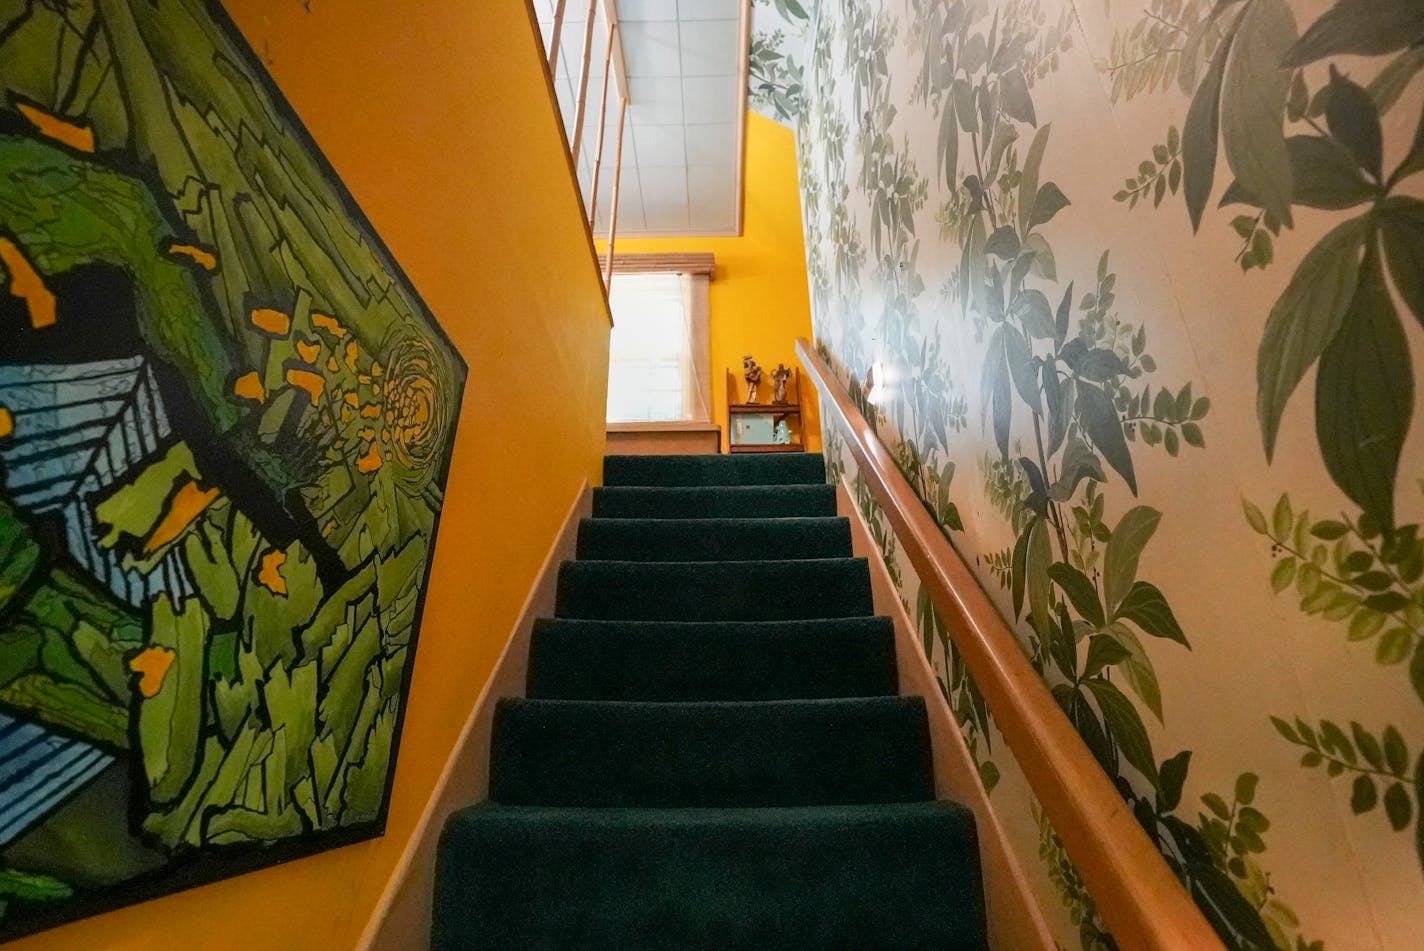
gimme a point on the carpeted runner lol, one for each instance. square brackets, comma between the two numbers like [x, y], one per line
[711, 753]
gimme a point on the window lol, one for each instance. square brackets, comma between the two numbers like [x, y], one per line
[658, 352]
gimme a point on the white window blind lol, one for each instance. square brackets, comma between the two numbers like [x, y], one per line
[654, 367]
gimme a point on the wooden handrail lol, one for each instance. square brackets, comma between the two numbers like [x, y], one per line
[1142, 902]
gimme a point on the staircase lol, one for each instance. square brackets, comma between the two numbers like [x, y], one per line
[711, 753]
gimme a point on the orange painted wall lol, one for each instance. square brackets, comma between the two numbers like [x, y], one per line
[438, 118]
[759, 301]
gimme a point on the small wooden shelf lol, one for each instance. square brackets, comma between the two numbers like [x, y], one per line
[769, 447]
[788, 412]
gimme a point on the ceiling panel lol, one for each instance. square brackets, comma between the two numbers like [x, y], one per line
[651, 48]
[654, 101]
[647, 10]
[705, 99]
[709, 47]
[659, 145]
[664, 219]
[710, 185]
[709, 139]
[664, 185]
[703, 9]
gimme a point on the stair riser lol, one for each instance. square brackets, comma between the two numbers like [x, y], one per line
[790, 753]
[602, 539]
[583, 660]
[717, 591]
[792, 501]
[783, 469]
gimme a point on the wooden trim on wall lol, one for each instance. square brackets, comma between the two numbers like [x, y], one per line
[689, 263]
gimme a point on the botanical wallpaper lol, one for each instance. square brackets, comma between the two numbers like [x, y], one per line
[1130, 290]
[780, 34]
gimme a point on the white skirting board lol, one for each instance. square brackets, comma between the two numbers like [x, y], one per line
[401, 920]
[1015, 922]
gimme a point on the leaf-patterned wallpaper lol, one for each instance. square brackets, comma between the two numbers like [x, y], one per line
[1134, 293]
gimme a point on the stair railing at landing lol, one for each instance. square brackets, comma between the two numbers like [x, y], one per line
[1141, 900]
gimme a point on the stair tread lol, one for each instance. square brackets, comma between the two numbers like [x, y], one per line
[763, 753]
[711, 660]
[902, 876]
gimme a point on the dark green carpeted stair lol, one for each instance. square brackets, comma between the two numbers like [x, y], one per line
[711, 753]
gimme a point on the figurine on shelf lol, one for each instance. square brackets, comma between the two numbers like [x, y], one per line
[752, 374]
[779, 376]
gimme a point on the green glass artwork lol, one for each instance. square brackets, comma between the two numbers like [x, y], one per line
[225, 427]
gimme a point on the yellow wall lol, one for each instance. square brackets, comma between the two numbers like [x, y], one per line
[759, 299]
[437, 116]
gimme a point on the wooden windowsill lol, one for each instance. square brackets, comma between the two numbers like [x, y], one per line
[674, 426]
[702, 262]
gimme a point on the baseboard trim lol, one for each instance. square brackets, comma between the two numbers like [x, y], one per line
[400, 921]
[1015, 921]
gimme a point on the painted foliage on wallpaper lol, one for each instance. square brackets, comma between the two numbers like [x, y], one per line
[225, 422]
[1125, 373]
[776, 64]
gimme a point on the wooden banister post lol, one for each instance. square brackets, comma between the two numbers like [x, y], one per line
[617, 178]
[582, 106]
[602, 122]
[554, 47]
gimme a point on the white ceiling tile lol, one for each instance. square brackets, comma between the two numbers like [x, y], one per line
[704, 9]
[707, 99]
[710, 186]
[646, 10]
[663, 185]
[711, 143]
[654, 100]
[667, 218]
[699, 175]
[651, 48]
[709, 47]
[659, 145]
